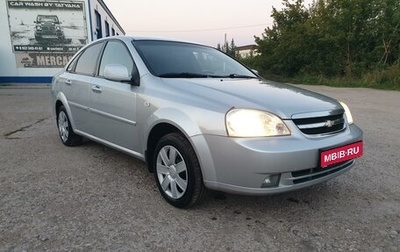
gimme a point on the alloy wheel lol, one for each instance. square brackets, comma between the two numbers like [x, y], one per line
[172, 172]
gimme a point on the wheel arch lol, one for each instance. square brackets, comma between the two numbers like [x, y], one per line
[61, 100]
[155, 134]
[58, 105]
[164, 121]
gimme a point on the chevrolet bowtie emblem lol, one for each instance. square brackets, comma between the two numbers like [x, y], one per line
[329, 123]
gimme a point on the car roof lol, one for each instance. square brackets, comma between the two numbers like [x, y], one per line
[139, 38]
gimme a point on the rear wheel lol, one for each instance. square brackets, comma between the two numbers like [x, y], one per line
[177, 172]
[67, 135]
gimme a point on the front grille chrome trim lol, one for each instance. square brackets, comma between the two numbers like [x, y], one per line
[320, 123]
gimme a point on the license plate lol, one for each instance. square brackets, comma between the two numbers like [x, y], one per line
[340, 154]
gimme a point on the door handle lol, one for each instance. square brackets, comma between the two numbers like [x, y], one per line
[96, 89]
[68, 82]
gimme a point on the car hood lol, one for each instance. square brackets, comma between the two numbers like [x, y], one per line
[281, 99]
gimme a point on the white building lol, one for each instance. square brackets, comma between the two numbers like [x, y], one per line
[246, 51]
[39, 37]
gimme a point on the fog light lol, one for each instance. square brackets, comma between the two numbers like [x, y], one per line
[271, 180]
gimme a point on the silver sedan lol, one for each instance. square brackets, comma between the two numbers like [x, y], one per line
[201, 120]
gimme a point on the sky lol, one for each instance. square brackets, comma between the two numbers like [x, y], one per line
[203, 21]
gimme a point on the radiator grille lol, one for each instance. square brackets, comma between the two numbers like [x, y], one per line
[321, 125]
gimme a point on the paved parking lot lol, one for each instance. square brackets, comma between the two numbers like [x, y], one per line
[92, 198]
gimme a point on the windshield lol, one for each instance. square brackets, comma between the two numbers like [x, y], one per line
[47, 19]
[184, 60]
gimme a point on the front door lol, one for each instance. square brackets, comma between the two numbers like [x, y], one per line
[113, 104]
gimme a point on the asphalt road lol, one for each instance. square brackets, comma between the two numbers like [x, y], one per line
[92, 198]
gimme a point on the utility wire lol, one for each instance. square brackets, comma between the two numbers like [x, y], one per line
[204, 30]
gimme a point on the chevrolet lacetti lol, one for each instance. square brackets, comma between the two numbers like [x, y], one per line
[201, 120]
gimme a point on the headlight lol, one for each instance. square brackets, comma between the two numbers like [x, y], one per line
[254, 123]
[347, 112]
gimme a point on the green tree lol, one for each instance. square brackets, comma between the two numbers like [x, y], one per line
[331, 38]
[388, 32]
[281, 46]
[231, 49]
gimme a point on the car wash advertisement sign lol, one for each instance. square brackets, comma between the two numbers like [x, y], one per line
[46, 34]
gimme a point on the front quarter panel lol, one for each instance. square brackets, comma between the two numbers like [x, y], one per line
[176, 118]
[159, 103]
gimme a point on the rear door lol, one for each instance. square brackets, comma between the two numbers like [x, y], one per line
[76, 83]
[113, 103]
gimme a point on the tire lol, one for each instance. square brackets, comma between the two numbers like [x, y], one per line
[67, 135]
[177, 172]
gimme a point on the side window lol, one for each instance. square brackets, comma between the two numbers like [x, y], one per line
[87, 61]
[116, 53]
[71, 66]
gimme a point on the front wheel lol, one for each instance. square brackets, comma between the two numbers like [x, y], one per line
[177, 172]
[67, 135]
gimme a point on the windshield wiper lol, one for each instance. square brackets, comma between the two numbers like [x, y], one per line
[240, 76]
[183, 75]
[197, 75]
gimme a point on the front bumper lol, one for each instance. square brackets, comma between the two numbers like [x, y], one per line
[49, 35]
[241, 165]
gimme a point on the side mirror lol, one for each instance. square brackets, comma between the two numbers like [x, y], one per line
[117, 72]
[255, 71]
